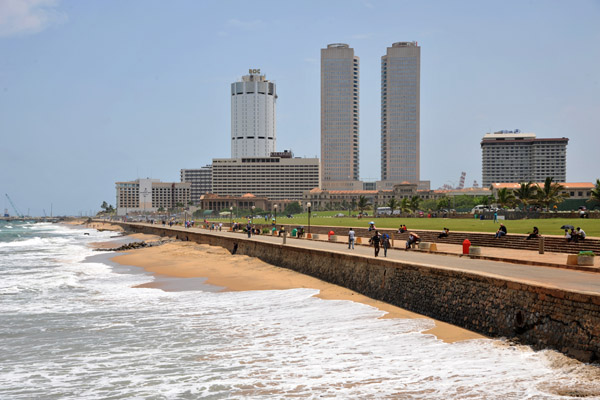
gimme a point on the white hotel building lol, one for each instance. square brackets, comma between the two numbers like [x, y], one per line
[253, 122]
[148, 195]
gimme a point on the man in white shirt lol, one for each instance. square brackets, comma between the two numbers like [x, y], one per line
[351, 236]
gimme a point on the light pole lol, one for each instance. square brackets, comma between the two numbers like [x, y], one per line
[230, 216]
[275, 207]
[252, 217]
[308, 205]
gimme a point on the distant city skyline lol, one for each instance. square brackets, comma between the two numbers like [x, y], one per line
[96, 92]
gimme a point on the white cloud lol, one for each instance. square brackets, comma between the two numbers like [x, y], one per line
[21, 17]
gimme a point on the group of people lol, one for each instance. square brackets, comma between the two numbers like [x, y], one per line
[575, 235]
[381, 240]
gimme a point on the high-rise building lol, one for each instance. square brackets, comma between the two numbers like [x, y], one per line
[513, 157]
[253, 122]
[201, 180]
[400, 113]
[339, 118]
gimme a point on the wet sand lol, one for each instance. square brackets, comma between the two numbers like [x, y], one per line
[240, 273]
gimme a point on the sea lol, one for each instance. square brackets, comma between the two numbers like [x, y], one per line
[73, 325]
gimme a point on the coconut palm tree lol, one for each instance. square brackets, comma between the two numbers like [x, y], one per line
[525, 194]
[505, 198]
[393, 204]
[414, 203]
[550, 193]
[405, 205]
[595, 193]
[363, 203]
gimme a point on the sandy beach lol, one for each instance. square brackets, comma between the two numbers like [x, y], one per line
[241, 273]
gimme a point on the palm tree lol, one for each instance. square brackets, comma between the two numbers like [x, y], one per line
[525, 193]
[595, 193]
[392, 204]
[363, 203]
[405, 205]
[414, 203]
[505, 198]
[550, 193]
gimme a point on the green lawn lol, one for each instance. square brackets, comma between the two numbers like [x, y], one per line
[546, 226]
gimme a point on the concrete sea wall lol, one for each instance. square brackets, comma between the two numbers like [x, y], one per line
[538, 316]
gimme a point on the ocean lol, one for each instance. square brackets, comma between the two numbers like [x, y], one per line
[73, 326]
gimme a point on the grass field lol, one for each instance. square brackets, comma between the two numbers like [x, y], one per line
[546, 226]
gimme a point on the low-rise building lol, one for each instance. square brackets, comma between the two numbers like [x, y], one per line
[321, 199]
[217, 204]
[148, 195]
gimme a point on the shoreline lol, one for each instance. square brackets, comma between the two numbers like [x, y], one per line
[220, 269]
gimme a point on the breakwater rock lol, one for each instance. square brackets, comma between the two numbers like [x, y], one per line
[139, 245]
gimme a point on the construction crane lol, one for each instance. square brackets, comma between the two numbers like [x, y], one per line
[461, 183]
[13, 206]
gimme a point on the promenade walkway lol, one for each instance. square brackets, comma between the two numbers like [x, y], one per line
[545, 276]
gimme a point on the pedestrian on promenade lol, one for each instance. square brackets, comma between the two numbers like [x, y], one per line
[249, 229]
[375, 241]
[351, 236]
[385, 242]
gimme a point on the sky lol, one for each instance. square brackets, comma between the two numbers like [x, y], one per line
[94, 92]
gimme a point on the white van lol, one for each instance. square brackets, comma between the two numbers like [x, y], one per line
[480, 208]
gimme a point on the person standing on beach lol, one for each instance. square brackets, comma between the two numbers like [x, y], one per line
[351, 236]
[375, 241]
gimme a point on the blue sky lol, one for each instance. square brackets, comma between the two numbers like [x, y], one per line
[93, 92]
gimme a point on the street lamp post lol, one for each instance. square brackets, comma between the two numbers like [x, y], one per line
[308, 205]
[252, 218]
[230, 216]
[275, 207]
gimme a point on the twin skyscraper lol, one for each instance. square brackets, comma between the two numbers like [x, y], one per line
[400, 116]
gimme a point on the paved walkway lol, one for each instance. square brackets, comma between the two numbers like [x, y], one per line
[552, 277]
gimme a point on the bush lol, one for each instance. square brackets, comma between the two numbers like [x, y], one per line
[587, 253]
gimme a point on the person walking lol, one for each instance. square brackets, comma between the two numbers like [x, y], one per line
[376, 241]
[351, 237]
[495, 216]
[385, 242]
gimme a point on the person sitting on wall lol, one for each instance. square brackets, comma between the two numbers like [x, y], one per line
[372, 226]
[501, 231]
[580, 234]
[534, 234]
[568, 236]
[444, 233]
[413, 238]
[402, 229]
[574, 236]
